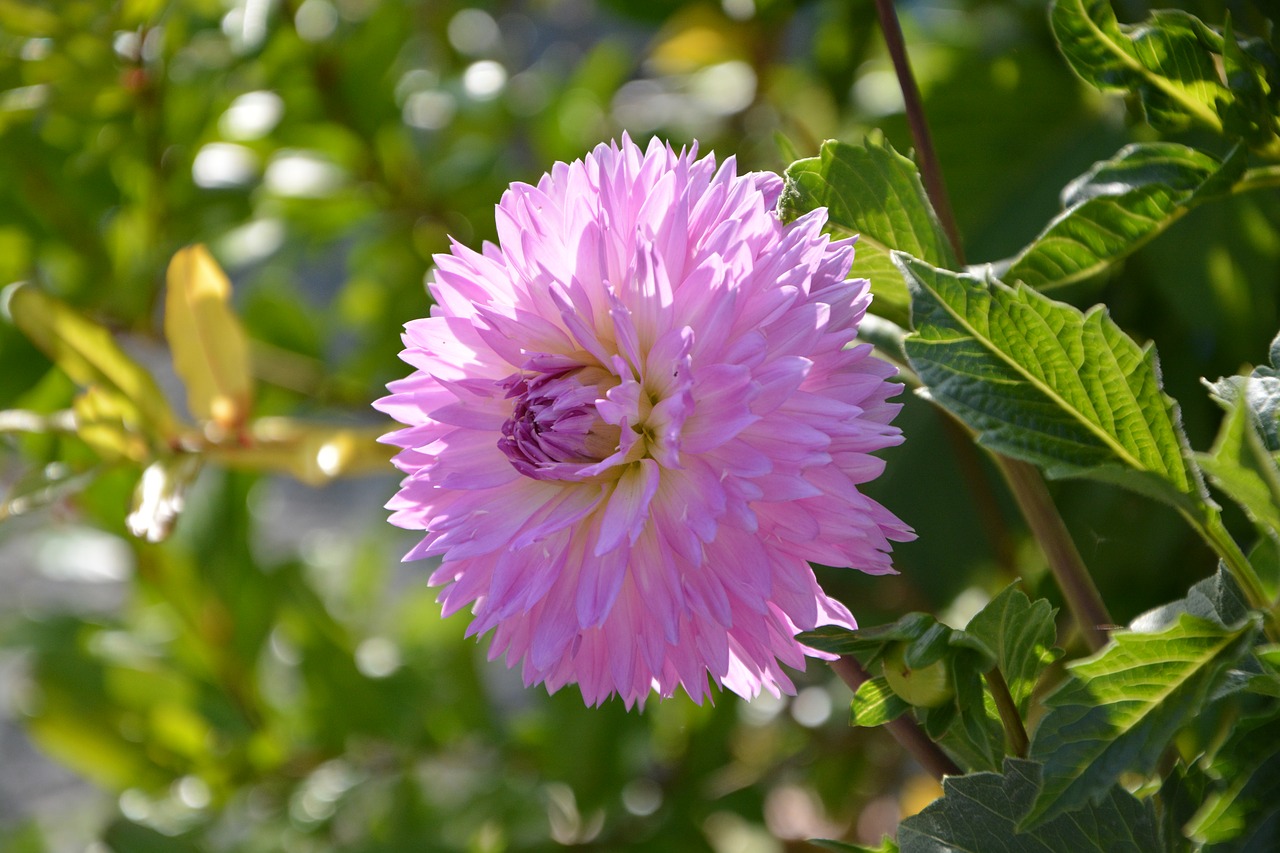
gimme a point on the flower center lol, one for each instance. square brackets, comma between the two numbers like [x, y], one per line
[555, 428]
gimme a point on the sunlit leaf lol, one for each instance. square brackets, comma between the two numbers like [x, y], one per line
[102, 422]
[1168, 60]
[875, 704]
[1118, 206]
[874, 192]
[1022, 634]
[981, 812]
[87, 353]
[1119, 709]
[1040, 381]
[210, 351]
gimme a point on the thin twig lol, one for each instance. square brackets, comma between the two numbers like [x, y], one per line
[904, 729]
[930, 172]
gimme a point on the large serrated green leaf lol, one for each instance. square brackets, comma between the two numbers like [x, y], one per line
[1119, 709]
[979, 813]
[1168, 60]
[1022, 634]
[1118, 206]
[1040, 381]
[874, 192]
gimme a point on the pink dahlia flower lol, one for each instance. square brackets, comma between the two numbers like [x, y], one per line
[633, 423]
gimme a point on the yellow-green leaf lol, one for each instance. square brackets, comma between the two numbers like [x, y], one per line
[210, 351]
[87, 353]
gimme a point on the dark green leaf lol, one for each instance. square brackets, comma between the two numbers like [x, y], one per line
[1116, 207]
[1022, 635]
[1119, 709]
[928, 641]
[980, 812]
[1251, 68]
[1249, 764]
[1168, 60]
[1040, 381]
[873, 191]
[977, 738]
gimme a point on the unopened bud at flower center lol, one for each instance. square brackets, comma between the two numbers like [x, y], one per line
[555, 426]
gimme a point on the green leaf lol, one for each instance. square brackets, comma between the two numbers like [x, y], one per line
[927, 639]
[1251, 69]
[1118, 710]
[1260, 394]
[981, 812]
[1168, 60]
[875, 704]
[977, 738]
[874, 192]
[1042, 382]
[1249, 764]
[1022, 635]
[1242, 467]
[87, 353]
[1118, 206]
[965, 722]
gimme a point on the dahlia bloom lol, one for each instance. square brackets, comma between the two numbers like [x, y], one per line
[633, 422]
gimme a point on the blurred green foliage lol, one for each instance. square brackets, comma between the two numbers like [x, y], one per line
[270, 680]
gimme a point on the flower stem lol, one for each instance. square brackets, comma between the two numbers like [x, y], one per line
[930, 172]
[1068, 569]
[904, 729]
[1009, 715]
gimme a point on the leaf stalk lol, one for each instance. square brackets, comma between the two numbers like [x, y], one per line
[1009, 716]
[1078, 588]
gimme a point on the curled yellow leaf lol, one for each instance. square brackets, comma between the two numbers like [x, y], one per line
[210, 351]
